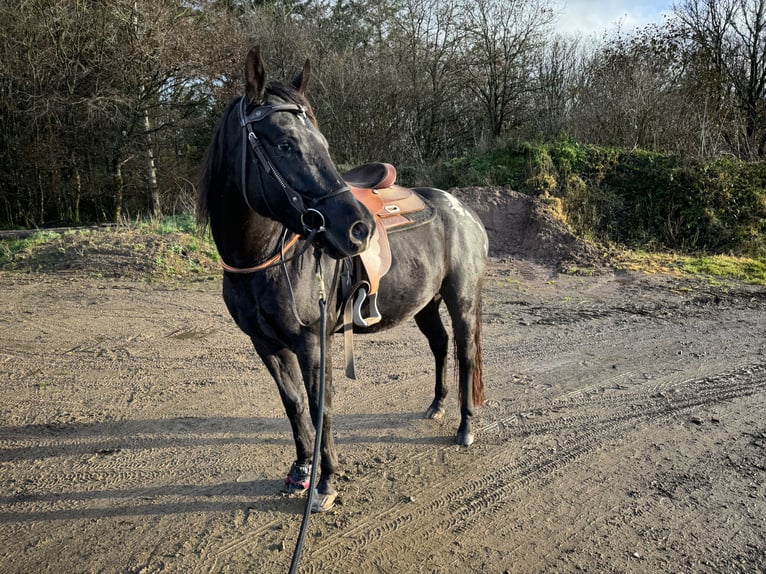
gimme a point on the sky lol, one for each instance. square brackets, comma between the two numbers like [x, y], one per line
[593, 17]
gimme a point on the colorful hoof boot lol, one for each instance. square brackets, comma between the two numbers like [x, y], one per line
[297, 480]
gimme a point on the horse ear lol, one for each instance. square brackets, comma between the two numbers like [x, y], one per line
[255, 75]
[301, 81]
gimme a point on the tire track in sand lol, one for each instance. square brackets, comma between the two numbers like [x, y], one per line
[452, 507]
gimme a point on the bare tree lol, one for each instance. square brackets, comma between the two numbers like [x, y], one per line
[96, 94]
[426, 44]
[502, 37]
[558, 70]
[729, 38]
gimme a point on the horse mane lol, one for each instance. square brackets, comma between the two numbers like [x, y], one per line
[212, 166]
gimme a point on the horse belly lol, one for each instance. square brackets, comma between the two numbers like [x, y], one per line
[417, 270]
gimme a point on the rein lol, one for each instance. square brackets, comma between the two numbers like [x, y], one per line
[320, 413]
[279, 257]
[273, 261]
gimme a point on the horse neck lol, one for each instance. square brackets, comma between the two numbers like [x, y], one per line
[244, 237]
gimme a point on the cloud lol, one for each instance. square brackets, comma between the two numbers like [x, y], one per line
[593, 17]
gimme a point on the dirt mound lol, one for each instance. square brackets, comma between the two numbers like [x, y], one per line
[520, 226]
[113, 253]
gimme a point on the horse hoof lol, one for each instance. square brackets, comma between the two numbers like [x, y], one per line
[435, 414]
[464, 439]
[297, 480]
[323, 502]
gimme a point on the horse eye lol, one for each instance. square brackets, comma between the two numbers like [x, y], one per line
[284, 146]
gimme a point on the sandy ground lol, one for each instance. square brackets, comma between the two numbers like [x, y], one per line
[624, 432]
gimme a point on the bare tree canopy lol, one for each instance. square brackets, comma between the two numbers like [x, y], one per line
[107, 107]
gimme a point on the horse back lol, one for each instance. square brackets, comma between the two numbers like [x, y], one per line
[450, 248]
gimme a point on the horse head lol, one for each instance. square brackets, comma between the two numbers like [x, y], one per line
[286, 170]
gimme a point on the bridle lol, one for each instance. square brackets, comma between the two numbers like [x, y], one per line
[312, 220]
[294, 198]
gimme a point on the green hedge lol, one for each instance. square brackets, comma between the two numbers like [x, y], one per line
[631, 197]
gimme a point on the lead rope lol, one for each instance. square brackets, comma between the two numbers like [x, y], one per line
[320, 412]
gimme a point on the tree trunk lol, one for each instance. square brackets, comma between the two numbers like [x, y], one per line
[77, 193]
[155, 208]
[119, 187]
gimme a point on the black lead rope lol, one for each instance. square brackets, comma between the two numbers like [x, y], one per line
[320, 413]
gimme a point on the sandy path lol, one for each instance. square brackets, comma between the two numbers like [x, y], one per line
[624, 433]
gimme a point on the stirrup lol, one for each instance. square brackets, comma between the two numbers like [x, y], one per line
[375, 315]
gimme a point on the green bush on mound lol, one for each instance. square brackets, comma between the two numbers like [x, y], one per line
[632, 198]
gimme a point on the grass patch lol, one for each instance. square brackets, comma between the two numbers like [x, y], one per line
[165, 248]
[714, 267]
[14, 249]
[183, 223]
[751, 271]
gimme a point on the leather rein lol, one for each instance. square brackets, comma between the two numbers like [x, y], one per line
[294, 198]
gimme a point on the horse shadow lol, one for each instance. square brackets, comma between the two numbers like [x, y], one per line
[83, 442]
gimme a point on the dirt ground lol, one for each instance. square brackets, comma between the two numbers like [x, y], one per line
[624, 432]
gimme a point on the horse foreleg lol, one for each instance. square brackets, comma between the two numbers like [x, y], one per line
[325, 493]
[283, 366]
[430, 324]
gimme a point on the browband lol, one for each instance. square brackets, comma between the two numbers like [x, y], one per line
[262, 112]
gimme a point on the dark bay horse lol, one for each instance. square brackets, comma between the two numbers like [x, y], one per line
[278, 209]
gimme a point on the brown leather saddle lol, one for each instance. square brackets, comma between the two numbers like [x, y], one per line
[394, 208]
[374, 184]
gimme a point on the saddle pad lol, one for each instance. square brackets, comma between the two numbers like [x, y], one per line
[415, 211]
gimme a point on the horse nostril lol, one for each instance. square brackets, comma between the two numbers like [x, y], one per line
[359, 233]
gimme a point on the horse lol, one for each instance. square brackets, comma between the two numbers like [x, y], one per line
[279, 210]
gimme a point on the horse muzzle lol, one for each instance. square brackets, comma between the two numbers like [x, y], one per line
[338, 242]
[353, 242]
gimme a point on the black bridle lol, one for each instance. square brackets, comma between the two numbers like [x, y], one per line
[311, 218]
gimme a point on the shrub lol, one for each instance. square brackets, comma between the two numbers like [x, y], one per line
[632, 197]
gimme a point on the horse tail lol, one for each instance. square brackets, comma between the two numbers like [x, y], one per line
[478, 375]
[477, 383]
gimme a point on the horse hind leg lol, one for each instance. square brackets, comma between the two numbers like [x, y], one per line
[465, 313]
[430, 324]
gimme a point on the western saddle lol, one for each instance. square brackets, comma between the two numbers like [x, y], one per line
[394, 208]
[373, 184]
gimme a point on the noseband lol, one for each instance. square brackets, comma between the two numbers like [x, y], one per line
[311, 218]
